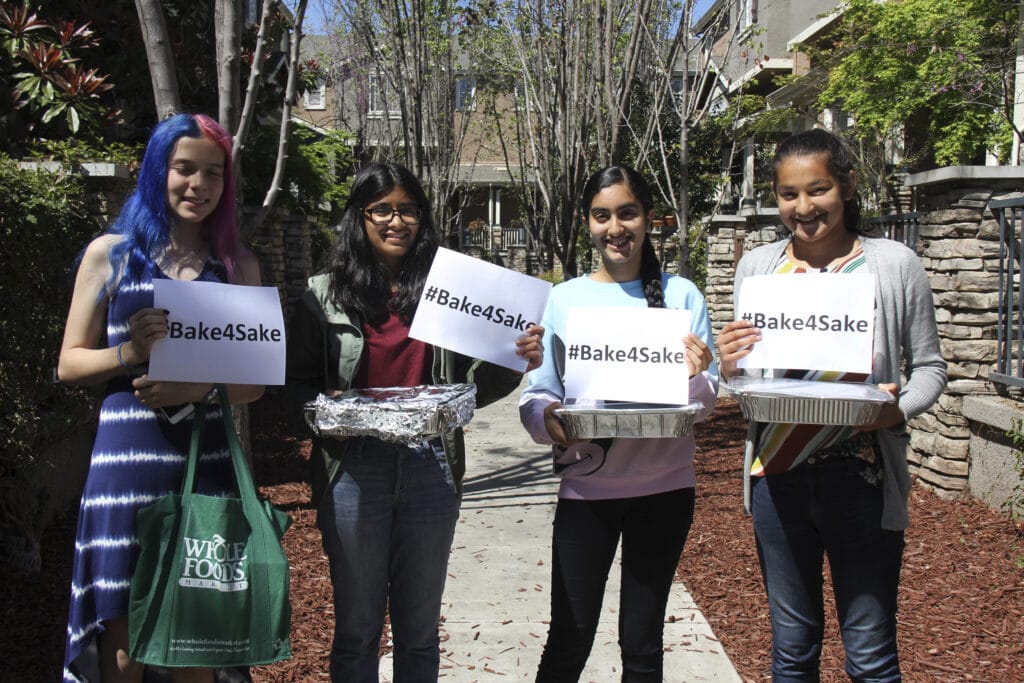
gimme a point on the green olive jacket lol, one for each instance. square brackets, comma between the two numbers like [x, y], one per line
[325, 346]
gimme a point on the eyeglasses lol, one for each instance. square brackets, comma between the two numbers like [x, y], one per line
[382, 214]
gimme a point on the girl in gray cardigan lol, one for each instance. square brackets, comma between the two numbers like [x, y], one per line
[833, 489]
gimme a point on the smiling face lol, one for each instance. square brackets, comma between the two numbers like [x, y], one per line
[391, 241]
[618, 227]
[811, 199]
[195, 179]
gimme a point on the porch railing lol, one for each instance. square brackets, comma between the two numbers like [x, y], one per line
[902, 227]
[484, 238]
[514, 236]
[477, 237]
[1010, 328]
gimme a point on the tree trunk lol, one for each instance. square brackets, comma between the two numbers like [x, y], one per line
[161, 61]
[228, 18]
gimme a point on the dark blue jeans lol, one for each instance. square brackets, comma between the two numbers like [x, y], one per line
[802, 515]
[387, 522]
[586, 533]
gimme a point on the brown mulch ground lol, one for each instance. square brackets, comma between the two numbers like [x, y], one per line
[961, 607]
[961, 598]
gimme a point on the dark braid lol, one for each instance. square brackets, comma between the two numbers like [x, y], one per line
[650, 275]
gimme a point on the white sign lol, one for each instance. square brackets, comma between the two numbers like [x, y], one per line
[231, 334]
[477, 308]
[810, 321]
[627, 354]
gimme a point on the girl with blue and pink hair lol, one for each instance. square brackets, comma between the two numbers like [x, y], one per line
[178, 224]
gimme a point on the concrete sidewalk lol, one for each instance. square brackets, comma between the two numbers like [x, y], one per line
[497, 597]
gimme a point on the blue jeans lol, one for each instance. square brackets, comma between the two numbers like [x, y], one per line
[799, 516]
[387, 521]
[586, 533]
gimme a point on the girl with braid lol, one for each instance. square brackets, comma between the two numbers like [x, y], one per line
[639, 490]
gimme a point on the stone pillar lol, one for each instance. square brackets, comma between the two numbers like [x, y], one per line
[959, 247]
[729, 237]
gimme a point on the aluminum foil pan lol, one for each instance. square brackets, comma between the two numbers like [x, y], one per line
[403, 415]
[628, 420]
[798, 401]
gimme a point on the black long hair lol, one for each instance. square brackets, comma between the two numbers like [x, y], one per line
[360, 282]
[650, 267]
[838, 159]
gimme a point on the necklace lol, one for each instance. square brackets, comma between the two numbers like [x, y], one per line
[181, 264]
[819, 264]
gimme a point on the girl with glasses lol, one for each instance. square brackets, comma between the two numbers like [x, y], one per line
[386, 512]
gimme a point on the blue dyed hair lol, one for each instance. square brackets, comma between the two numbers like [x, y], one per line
[146, 220]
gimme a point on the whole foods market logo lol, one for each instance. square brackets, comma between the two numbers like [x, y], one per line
[215, 564]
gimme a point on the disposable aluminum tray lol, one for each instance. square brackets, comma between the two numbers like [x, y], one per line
[807, 402]
[397, 414]
[628, 420]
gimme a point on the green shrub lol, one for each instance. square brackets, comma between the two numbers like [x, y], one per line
[43, 225]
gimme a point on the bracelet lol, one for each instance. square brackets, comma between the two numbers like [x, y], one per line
[120, 359]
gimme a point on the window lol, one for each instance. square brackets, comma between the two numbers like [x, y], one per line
[465, 88]
[676, 84]
[747, 13]
[378, 104]
[316, 97]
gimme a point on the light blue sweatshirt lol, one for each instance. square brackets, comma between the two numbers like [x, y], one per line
[633, 467]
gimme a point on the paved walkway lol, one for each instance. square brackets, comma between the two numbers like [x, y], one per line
[497, 600]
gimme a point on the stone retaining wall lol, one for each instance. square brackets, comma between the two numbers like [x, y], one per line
[959, 247]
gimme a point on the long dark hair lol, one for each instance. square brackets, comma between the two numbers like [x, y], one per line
[650, 267]
[360, 282]
[838, 159]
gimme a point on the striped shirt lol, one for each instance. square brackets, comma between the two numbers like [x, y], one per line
[781, 447]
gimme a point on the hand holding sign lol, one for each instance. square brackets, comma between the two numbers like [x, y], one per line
[479, 309]
[809, 321]
[230, 334]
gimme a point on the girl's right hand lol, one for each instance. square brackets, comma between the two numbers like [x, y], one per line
[735, 341]
[556, 430]
[145, 327]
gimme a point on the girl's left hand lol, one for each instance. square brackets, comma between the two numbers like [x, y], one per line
[890, 415]
[529, 346]
[157, 394]
[698, 355]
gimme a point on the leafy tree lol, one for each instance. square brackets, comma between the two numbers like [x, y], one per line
[318, 167]
[44, 221]
[47, 91]
[942, 70]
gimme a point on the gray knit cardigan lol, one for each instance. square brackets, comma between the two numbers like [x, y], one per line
[905, 329]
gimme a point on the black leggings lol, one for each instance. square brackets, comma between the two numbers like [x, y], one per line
[586, 533]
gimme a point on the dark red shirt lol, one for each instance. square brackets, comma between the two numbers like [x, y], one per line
[391, 358]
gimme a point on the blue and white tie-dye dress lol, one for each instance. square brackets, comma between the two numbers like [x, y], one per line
[137, 458]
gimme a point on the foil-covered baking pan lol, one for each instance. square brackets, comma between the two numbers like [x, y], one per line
[799, 401]
[403, 415]
[628, 420]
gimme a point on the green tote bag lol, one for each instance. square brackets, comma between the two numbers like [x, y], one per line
[210, 588]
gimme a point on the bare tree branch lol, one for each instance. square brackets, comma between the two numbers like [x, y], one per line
[259, 58]
[295, 39]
